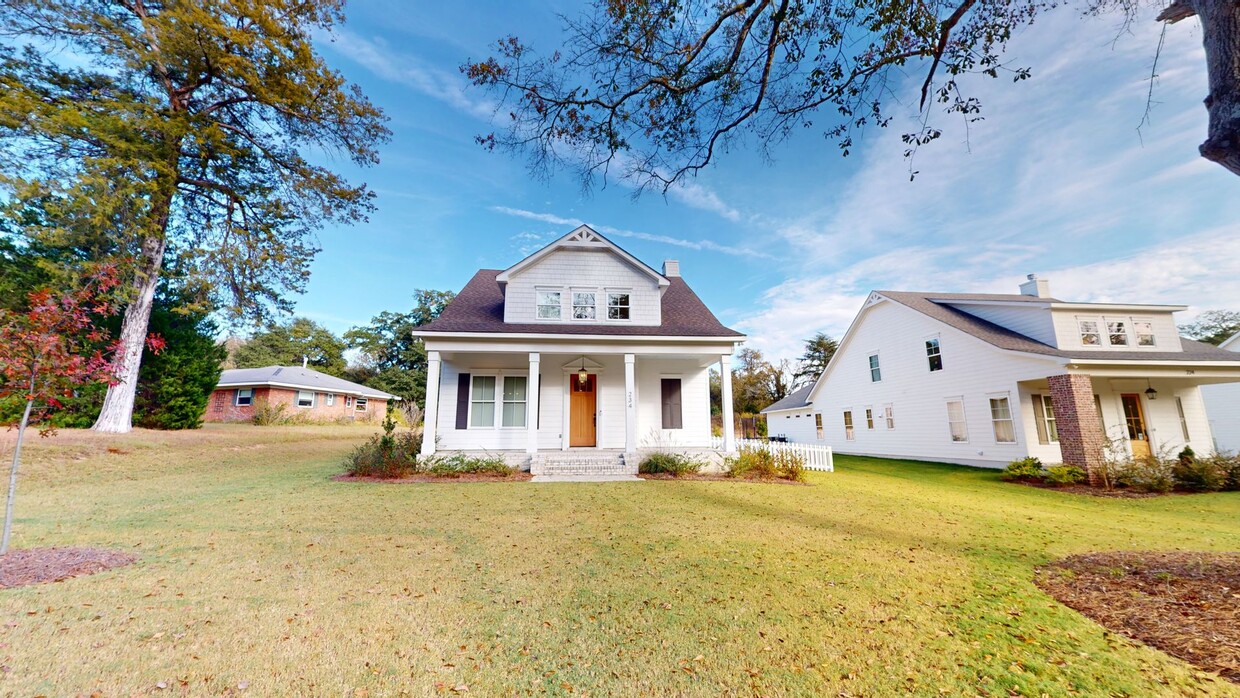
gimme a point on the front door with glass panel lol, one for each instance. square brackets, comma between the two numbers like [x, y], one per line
[1134, 419]
[581, 412]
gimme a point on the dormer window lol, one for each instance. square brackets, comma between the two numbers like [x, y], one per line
[618, 305]
[583, 305]
[1089, 333]
[1145, 332]
[548, 305]
[1117, 332]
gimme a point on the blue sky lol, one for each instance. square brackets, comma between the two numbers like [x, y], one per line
[1056, 180]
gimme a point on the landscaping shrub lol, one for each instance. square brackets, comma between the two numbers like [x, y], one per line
[674, 464]
[268, 414]
[1231, 464]
[1062, 475]
[459, 464]
[1150, 474]
[1187, 455]
[386, 455]
[758, 463]
[1202, 475]
[1024, 470]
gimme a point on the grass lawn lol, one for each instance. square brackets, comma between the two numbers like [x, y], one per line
[260, 575]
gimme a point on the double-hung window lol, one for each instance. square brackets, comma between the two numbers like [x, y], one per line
[482, 402]
[956, 422]
[869, 418]
[849, 433]
[245, 396]
[890, 414]
[583, 305]
[1090, 336]
[1001, 419]
[360, 405]
[514, 401]
[876, 374]
[818, 424]
[305, 398]
[331, 399]
[618, 307]
[548, 305]
[934, 355]
[1145, 332]
[1117, 332]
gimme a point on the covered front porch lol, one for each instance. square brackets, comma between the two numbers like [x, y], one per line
[607, 399]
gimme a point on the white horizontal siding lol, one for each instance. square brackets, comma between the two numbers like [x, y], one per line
[1222, 403]
[1068, 335]
[796, 425]
[584, 270]
[1032, 322]
[694, 399]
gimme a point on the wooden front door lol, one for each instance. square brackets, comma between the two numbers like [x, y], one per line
[1134, 419]
[581, 412]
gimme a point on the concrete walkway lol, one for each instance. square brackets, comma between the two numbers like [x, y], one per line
[586, 478]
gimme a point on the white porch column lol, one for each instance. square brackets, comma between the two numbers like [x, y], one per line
[531, 405]
[630, 403]
[725, 396]
[430, 414]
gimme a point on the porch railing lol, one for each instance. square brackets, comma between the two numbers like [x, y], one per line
[816, 457]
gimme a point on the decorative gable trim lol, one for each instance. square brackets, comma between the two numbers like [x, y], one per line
[583, 237]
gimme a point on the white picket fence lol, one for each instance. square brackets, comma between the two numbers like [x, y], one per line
[816, 457]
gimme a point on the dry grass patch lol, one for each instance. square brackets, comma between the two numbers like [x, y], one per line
[1185, 604]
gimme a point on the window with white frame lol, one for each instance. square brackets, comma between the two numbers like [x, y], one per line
[583, 305]
[849, 433]
[1117, 332]
[934, 355]
[245, 396]
[618, 305]
[876, 374]
[1090, 336]
[890, 415]
[1179, 407]
[360, 404]
[548, 304]
[348, 400]
[1001, 419]
[957, 425]
[482, 401]
[513, 411]
[331, 399]
[1048, 418]
[305, 398]
[818, 424]
[1144, 330]
[869, 418]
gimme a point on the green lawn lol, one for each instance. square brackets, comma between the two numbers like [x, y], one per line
[258, 571]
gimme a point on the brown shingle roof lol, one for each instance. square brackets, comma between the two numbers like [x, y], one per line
[479, 307]
[936, 306]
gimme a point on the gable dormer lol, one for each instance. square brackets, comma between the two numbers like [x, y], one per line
[582, 279]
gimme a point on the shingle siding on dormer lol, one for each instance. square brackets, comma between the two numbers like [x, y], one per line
[570, 269]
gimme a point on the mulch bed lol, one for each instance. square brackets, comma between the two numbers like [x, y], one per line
[1117, 493]
[717, 477]
[39, 565]
[1185, 604]
[520, 476]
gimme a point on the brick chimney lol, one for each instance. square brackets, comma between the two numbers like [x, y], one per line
[671, 267]
[1038, 288]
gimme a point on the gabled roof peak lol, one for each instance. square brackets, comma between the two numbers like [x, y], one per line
[583, 237]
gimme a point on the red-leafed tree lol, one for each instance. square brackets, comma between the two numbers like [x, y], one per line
[52, 348]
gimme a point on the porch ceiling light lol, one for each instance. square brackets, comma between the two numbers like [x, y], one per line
[582, 376]
[1150, 393]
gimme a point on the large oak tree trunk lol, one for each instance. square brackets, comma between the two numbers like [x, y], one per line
[116, 417]
[1220, 34]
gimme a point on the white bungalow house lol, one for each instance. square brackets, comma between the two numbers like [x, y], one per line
[574, 360]
[984, 379]
[1223, 406]
[793, 418]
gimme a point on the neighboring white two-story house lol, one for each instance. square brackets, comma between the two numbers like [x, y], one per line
[984, 379]
[1223, 406]
[574, 360]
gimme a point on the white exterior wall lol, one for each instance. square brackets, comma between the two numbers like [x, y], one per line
[1222, 403]
[1068, 335]
[598, 270]
[554, 383]
[972, 370]
[1030, 321]
[798, 425]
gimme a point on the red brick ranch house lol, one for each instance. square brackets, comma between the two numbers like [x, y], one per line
[305, 393]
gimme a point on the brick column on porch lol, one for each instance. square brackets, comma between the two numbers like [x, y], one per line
[1081, 440]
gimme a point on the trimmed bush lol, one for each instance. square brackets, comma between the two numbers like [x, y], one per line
[460, 464]
[1201, 474]
[674, 464]
[1063, 475]
[1024, 470]
[1150, 474]
[758, 463]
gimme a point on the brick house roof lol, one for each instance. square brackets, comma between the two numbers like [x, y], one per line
[479, 308]
[296, 378]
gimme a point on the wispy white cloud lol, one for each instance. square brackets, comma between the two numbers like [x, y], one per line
[377, 56]
[707, 245]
